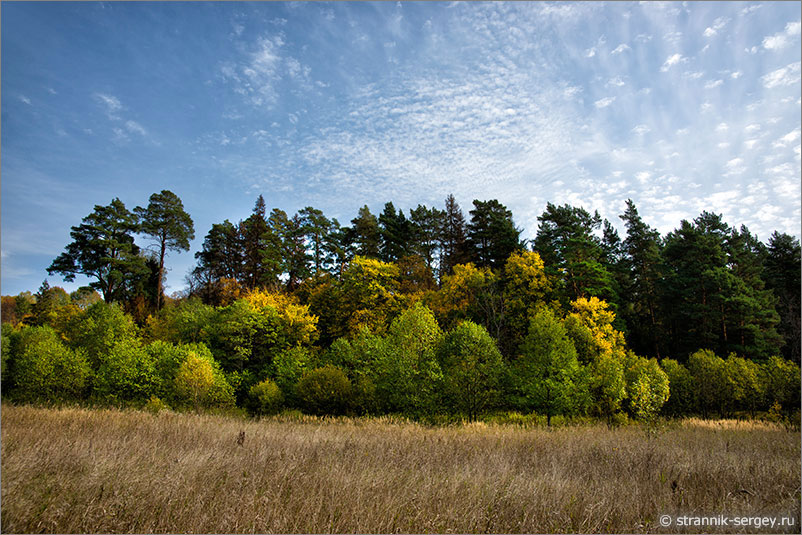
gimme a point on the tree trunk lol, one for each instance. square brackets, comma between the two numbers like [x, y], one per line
[161, 274]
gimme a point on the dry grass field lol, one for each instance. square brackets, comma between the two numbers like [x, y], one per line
[76, 470]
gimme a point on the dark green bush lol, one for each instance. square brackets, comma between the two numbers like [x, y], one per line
[265, 397]
[324, 390]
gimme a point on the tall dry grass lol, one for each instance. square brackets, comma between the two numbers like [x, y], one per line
[77, 470]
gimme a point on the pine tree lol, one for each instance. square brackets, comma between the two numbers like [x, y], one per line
[492, 235]
[453, 238]
[103, 248]
[165, 220]
[395, 233]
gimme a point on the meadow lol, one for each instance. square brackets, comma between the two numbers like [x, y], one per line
[69, 470]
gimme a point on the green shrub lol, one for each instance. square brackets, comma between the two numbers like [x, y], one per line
[288, 368]
[8, 332]
[127, 374]
[44, 369]
[156, 405]
[680, 381]
[98, 330]
[265, 397]
[324, 390]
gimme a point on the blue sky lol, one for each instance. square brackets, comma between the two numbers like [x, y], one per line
[682, 107]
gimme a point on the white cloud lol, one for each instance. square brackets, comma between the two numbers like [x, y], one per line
[25, 100]
[784, 76]
[783, 39]
[750, 9]
[590, 52]
[788, 139]
[718, 24]
[623, 47]
[712, 84]
[572, 91]
[135, 127]
[641, 129]
[256, 75]
[110, 103]
[604, 102]
[735, 166]
[735, 75]
[672, 60]
[617, 82]
[751, 143]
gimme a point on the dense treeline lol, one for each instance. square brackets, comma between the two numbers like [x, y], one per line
[431, 313]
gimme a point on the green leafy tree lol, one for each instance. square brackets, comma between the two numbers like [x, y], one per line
[407, 373]
[681, 388]
[103, 248]
[647, 387]
[42, 368]
[8, 335]
[98, 329]
[472, 369]
[782, 383]
[744, 383]
[186, 321]
[547, 372]
[607, 386]
[288, 368]
[169, 225]
[710, 377]
[126, 374]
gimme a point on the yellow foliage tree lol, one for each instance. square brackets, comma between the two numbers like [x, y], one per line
[458, 296]
[371, 293]
[194, 381]
[301, 323]
[526, 288]
[600, 338]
